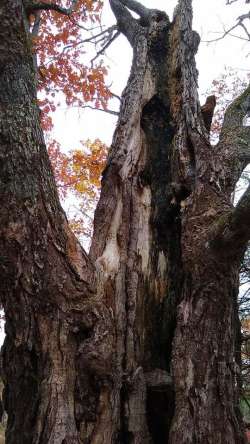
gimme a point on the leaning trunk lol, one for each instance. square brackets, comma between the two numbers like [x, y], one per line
[136, 343]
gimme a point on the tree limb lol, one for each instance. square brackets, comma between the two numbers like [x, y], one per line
[225, 33]
[127, 24]
[108, 111]
[115, 96]
[229, 2]
[238, 24]
[231, 232]
[106, 46]
[32, 7]
[106, 36]
[137, 7]
[234, 144]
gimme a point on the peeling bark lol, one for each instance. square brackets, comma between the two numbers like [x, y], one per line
[137, 342]
[128, 227]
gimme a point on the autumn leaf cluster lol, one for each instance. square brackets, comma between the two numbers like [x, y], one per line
[60, 47]
[64, 77]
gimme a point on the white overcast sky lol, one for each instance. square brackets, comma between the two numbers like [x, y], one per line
[210, 18]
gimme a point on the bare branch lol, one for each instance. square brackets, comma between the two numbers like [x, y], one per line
[225, 33]
[84, 27]
[110, 41]
[238, 24]
[106, 34]
[244, 16]
[108, 111]
[116, 96]
[245, 29]
[229, 2]
[32, 7]
[238, 37]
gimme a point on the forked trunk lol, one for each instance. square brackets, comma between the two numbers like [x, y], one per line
[137, 343]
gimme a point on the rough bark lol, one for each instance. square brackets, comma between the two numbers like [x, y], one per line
[141, 335]
[205, 348]
[130, 246]
[47, 281]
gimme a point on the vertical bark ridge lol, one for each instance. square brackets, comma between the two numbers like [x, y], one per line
[91, 340]
[136, 236]
[47, 280]
[204, 356]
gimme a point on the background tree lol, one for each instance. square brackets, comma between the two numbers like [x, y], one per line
[78, 176]
[240, 29]
[91, 339]
[65, 75]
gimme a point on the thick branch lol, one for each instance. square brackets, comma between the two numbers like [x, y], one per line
[32, 7]
[232, 232]
[244, 16]
[125, 21]
[234, 144]
[137, 7]
[229, 2]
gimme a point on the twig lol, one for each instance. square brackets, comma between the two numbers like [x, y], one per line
[239, 23]
[36, 25]
[109, 111]
[115, 96]
[92, 38]
[105, 47]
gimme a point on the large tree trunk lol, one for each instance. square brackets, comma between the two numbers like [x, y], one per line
[137, 343]
[47, 281]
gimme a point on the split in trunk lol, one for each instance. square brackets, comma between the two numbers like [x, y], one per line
[92, 341]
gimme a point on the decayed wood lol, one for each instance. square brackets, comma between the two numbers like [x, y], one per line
[91, 340]
[130, 253]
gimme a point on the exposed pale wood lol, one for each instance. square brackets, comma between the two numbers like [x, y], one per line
[141, 335]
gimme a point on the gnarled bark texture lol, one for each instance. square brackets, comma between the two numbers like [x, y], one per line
[47, 281]
[136, 343]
